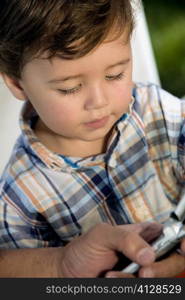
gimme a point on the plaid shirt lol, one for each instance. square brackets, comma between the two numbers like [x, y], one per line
[47, 199]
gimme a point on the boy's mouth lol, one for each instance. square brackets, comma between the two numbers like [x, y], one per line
[98, 123]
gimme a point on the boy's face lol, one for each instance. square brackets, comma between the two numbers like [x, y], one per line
[80, 100]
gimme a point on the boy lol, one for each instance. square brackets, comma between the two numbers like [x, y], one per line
[94, 148]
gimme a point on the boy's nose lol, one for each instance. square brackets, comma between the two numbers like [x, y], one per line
[96, 99]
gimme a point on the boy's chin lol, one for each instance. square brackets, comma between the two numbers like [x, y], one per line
[96, 136]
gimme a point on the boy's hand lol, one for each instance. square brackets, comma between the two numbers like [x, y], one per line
[94, 253]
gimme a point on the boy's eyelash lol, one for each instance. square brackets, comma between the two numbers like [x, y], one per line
[70, 91]
[115, 77]
[76, 89]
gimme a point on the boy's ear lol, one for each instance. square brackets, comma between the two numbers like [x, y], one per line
[14, 86]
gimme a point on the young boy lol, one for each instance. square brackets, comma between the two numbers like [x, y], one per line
[94, 148]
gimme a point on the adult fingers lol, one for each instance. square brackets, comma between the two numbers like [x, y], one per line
[182, 247]
[151, 231]
[131, 244]
[148, 230]
[169, 267]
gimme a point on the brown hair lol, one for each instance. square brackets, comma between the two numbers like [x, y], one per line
[68, 28]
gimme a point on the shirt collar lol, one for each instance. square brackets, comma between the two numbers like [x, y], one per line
[52, 160]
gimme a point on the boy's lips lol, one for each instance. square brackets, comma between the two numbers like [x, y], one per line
[97, 123]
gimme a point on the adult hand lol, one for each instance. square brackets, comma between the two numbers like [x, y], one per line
[168, 267]
[95, 252]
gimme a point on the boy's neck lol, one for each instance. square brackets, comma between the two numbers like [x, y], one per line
[71, 148]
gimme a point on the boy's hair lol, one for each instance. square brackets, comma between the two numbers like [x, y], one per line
[66, 28]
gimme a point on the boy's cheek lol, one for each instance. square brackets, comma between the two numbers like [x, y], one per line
[124, 100]
[124, 90]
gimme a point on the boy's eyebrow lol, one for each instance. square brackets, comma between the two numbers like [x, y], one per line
[63, 79]
[59, 79]
[122, 62]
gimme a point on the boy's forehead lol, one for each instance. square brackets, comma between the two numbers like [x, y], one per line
[105, 54]
[104, 50]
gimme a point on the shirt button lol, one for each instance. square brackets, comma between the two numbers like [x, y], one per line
[112, 163]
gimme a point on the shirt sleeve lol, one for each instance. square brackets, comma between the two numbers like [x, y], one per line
[17, 231]
[174, 114]
[163, 116]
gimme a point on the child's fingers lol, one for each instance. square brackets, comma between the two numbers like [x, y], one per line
[169, 267]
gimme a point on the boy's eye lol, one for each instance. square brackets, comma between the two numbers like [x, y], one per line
[70, 91]
[77, 88]
[115, 77]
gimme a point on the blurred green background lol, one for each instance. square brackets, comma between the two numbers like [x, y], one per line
[166, 22]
